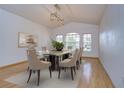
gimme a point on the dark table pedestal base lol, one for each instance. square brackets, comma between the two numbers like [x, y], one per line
[55, 61]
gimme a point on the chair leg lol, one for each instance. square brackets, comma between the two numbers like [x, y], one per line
[65, 69]
[38, 73]
[77, 67]
[30, 72]
[72, 73]
[50, 70]
[59, 72]
[74, 70]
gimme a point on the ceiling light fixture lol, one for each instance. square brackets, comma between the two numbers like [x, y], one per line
[54, 16]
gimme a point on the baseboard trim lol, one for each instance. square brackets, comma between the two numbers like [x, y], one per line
[90, 57]
[106, 73]
[14, 64]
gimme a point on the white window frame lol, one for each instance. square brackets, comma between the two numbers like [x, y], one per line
[72, 41]
[84, 43]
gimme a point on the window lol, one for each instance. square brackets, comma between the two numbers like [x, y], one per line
[72, 40]
[87, 42]
[59, 38]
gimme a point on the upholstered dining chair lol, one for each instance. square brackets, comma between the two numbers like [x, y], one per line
[69, 63]
[79, 57]
[36, 65]
[30, 48]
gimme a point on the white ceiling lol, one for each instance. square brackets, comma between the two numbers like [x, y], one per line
[39, 13]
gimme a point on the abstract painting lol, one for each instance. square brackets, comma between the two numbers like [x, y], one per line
[25, 39]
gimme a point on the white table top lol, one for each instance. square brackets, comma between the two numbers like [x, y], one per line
[56, 53]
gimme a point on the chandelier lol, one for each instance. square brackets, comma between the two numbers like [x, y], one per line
[54, 16]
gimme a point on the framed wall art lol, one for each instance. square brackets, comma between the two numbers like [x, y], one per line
[25, 39]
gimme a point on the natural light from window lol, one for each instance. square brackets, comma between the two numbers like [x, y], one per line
[87, 42]
[72, 40]
[59, 38]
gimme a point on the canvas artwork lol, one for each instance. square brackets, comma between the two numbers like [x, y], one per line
[26, 39]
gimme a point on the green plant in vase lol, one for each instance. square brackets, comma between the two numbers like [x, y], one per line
[57, 45]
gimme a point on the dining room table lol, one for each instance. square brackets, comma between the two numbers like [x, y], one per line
[55, 57]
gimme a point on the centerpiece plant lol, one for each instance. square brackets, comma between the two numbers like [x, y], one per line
[57, 45]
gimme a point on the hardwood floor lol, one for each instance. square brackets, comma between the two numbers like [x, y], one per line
[11, 71]
[93, 75]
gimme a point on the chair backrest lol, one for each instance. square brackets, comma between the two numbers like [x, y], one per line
[33, 59]
[80, 53]
[75, 56]
[81, 49]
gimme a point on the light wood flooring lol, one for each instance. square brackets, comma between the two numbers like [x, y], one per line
[93, 75]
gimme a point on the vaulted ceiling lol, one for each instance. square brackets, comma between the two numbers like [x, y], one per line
[40, 13]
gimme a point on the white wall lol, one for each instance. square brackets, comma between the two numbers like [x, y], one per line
[10, 25]
[112, 43]
[80, 28]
